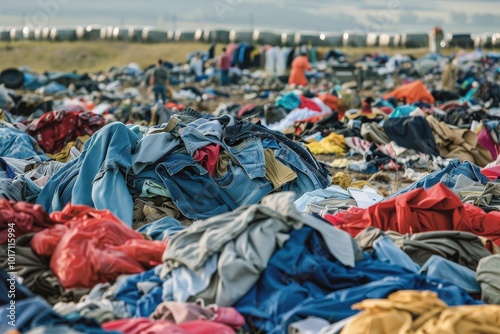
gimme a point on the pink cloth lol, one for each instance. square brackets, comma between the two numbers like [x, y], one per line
[484, 138]
[147, 326]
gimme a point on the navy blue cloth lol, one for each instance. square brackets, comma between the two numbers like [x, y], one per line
[301, 277]
[161, 229]
[34, 312]
[448, 176]
[5, 170]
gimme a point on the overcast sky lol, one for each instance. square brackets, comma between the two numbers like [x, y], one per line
[293, 15]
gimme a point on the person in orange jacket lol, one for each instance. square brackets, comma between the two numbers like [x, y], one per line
[299, 66]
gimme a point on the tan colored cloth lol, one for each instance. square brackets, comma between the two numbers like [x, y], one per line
[395, 314]
[344, 181]
[276, 172]
[449, 77]
[458, 143]
[63, 155]
[421, 312]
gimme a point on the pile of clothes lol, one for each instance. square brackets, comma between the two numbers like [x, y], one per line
[174, 220]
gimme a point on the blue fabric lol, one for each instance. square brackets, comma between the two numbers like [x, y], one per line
[321, 194]
[386, 251]
[138, 303]
[194, 192]
[34, 312]
[224, 78]
[53, 88]
[288, 101]
[5, 170]
[308, 179]
[161, 229]
[243, 130]
[463, 277]
[7, 285]
[402, 111]
[448, 176]
[17, 144]
[98, 177]
[301, 276]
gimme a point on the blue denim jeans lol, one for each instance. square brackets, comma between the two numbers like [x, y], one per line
[193, 191]
[17, 144]
[98, 177]
[243, 130]
[448, 176]
[308, 179]
[160, 91]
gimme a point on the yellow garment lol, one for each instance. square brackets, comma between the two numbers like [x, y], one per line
[344, 181]
[340, 163]
[2, 116]
[63, 155]
[331, 144]
[276, 172]
[255, 53]
[421, 312]
[458, 143]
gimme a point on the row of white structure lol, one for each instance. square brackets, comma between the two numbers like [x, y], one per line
[253, 36]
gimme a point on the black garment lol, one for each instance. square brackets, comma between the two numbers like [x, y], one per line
[211, 51]
[412, 132]
[34, 270]
[444, 95]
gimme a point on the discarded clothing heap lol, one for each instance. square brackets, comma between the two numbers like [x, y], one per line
[56, 128]
[205, 165]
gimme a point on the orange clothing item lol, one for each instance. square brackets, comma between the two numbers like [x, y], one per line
[434, 209]
[412, 92]
[297, 74]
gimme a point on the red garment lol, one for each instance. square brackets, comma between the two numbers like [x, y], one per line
[21, 218]
[245, 109]
[330, 100]
[207, 157]
[412, 92]
[172, 105]
[94, 247]
[420, 210]
[147, 326]
[55, 129]
[308, 103]
[225, 62]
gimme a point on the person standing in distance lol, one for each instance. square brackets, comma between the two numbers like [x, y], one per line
[158, 81]
[224, 66]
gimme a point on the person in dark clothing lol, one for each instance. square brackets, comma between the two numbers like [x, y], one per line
[158, 81]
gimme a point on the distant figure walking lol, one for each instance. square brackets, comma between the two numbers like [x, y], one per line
[159, 80]
[299, 66]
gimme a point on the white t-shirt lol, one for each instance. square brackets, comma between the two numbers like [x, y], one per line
[197, 66]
